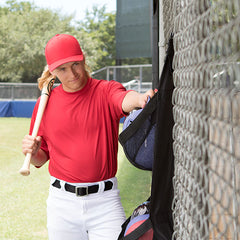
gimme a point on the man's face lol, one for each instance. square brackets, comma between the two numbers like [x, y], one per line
[72, 75]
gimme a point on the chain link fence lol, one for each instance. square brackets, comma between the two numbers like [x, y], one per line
[206, 112]
[19, 91]
[135, 77]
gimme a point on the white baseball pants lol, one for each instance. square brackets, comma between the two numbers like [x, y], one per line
[97, 216]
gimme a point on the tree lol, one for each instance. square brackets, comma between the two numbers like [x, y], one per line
[100, 27]
[24, 32]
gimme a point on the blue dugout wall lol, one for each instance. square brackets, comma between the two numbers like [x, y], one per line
[16, 108]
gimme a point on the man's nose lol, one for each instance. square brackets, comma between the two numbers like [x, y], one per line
[74, 72]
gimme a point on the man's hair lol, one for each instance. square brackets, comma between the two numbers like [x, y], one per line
[46, 75]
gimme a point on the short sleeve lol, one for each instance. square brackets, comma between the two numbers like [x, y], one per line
[116, 93]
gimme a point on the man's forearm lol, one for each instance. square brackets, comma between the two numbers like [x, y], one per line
[39, 159]
[134, 100]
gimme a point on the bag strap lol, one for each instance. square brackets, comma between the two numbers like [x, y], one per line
[163, 165]
[138, 232]
[131, 129]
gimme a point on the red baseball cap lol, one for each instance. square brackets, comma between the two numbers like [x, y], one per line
[62, 48]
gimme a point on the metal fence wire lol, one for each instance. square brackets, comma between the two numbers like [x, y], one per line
[19, 91]
[135, 77]
[206, 108]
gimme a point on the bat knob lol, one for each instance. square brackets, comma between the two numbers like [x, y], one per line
[24, 172]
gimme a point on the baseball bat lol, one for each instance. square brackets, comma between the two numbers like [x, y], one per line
[47, 87]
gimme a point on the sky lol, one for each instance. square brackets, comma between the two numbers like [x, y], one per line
[74, 6]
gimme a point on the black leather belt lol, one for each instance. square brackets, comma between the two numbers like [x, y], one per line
[83, 191]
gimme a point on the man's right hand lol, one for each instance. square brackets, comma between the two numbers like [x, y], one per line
[31, 144]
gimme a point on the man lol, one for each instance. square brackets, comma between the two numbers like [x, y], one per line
[79, 136]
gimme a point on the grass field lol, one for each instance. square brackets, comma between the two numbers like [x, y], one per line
[23, 199]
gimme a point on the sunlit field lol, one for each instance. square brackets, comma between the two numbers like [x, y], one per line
[23, 199]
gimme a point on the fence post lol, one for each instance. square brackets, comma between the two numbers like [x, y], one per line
[161, 44]
[155, 42]
[108, 73]
[140, 76]
[114, 74]
[12, 92]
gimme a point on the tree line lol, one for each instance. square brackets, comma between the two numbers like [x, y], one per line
[26, 28]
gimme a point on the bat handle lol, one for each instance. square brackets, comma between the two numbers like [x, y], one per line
[25, 170]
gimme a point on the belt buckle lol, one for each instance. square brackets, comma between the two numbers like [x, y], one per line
[78, 193]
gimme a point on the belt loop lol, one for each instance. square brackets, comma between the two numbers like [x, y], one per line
[101, 186]
[62, 184]
[115, 182]
[52, 180]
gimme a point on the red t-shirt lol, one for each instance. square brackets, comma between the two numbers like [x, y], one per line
[80, 131]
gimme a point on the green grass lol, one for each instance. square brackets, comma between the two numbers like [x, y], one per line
[23, 199]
